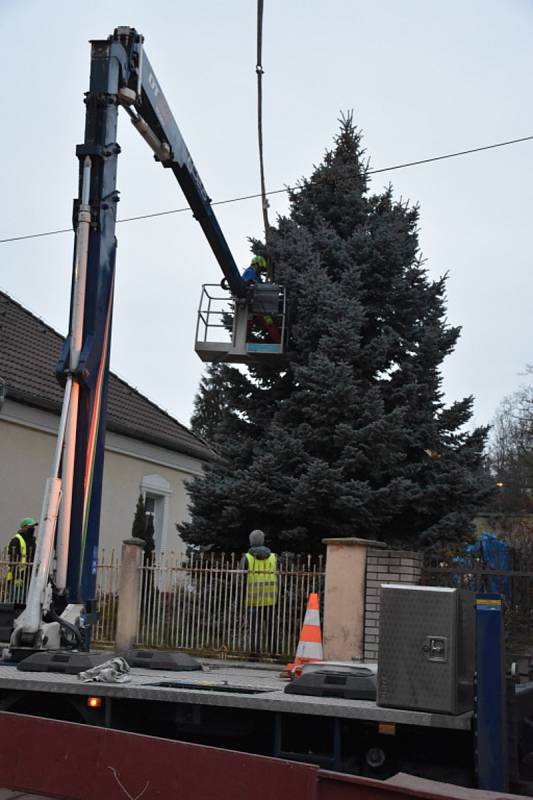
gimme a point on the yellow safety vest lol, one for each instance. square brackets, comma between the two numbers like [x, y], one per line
[21, 566]
[262, 585]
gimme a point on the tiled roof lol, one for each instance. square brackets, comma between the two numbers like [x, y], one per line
[29, 350]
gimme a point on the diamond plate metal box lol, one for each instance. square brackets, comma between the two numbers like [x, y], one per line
[426, 648]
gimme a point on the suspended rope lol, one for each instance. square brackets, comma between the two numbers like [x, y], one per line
[259, 72]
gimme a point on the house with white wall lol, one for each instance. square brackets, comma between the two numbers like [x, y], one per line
[146, 450]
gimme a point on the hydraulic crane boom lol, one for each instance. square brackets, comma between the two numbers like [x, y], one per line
[154, 117]
[140, 93]
[121, 75]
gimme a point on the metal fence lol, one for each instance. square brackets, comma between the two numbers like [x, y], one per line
[515, 586]
[198, 603]
[107, 585]
[14, 580]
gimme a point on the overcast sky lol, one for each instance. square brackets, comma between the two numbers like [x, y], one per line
[423, 77]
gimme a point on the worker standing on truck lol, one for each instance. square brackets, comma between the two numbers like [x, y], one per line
[20, 551]
[261, 590]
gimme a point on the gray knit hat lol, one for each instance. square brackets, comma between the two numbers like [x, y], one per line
[257, 538]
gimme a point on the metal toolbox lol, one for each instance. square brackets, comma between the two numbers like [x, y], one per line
[426, 648]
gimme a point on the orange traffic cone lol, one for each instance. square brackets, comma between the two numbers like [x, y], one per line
[310, 644]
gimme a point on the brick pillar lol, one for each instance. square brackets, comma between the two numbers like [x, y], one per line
[385, 566]
[129, 593]
[344, 603]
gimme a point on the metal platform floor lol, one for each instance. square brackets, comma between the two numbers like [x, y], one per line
[229, 685]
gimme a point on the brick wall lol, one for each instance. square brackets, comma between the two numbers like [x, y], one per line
[385, 566]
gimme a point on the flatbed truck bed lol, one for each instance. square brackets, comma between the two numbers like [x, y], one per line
[244, 707]
[226, 686]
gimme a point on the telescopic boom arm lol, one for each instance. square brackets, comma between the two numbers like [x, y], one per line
[151, 115]
[121, 75]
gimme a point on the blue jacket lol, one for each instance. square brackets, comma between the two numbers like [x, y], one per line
[251, 274]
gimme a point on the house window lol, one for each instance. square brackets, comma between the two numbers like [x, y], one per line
[154, 507]
[157, 492]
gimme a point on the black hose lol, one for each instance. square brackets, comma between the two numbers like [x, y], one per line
[67, 625]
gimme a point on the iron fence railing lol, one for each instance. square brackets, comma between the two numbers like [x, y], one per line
[515, 586]
[198, 603]
[14, 580]
[107, 585]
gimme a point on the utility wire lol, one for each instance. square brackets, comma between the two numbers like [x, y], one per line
[280, 191]
[451, 155]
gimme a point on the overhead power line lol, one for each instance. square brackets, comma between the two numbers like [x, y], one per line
[451, 155]
[280, 191]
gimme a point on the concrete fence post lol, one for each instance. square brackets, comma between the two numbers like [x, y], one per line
[344, 603]
[129, 593]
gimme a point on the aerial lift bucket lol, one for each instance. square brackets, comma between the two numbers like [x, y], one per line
[242, 331]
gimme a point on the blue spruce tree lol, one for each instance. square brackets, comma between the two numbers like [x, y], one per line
[351, 437]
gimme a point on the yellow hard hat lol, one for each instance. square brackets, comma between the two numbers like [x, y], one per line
[259, 262]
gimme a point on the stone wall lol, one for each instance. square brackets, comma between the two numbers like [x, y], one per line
[385, 566]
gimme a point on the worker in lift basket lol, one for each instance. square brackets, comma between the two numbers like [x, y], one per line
[261, 591]
[261, 326]
[20, 551]
[256, 272]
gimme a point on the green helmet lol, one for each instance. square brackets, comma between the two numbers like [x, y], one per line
[28, 522]
[259, 262]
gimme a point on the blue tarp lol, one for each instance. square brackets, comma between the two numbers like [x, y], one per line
[488, 552]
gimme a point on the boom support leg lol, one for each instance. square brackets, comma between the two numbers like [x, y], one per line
[86, 360]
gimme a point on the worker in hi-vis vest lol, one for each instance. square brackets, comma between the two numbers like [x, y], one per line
[262, 581]
[260, 564]
[20, 551]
